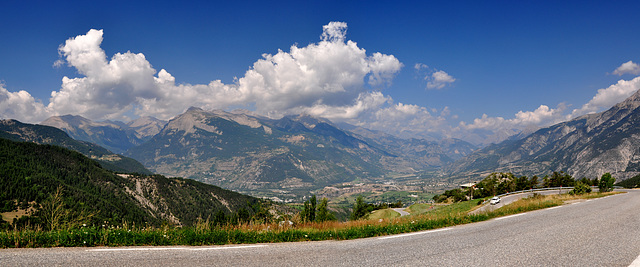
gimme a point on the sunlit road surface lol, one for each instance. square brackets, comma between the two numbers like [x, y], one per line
[598, 232]
[511, 198]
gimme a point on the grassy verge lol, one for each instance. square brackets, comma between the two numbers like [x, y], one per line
[383, 214]
[420, 208]
[202, 234]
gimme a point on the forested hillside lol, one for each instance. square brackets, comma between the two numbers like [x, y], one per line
[41, 134]
[31, 174]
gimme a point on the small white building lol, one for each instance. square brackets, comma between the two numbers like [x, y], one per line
[467, 185]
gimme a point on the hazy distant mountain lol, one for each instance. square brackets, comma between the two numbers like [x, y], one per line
[42, 134]
[239, 151]
[146, 127]
[524, 133]
[589, 146]
[244, 151]
[110, 135]
[418, 154]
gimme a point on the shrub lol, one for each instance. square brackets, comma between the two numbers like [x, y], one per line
[606, 182]
[580, 188]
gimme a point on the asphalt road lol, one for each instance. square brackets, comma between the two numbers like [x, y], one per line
[599, 232]
[511, 198]
[401, 211]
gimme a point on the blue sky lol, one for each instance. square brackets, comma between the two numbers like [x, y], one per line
[498, 58]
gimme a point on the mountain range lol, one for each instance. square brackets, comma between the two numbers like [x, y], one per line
[115, 136]
[243, 151]
[239, 151]
[415, 154]
[587, 146]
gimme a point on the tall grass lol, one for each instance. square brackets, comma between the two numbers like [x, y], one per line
[204, 234]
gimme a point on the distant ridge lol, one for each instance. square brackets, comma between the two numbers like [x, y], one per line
[587, 146]
[41, 134]
[242, 152]
[115, 136]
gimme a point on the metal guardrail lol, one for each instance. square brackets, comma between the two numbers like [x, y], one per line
[536, 189]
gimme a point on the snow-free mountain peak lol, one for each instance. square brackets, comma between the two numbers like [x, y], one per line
[587, 146]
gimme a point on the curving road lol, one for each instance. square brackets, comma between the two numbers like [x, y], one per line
[599, 232]
[505, 200]
[401, 211]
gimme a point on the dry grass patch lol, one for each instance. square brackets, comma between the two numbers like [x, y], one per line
[383, 214]
[9, 216]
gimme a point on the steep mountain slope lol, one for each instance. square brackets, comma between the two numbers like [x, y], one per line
[30, 173]
[17, 131]
[112, 136]
[243, 152]
[587, 146]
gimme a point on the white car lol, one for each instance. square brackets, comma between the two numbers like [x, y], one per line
[494, 200]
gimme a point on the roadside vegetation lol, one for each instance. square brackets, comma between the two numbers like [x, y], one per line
[633, 182]
[501, 183]
[207, 233]
[67, 199]
[361, 209]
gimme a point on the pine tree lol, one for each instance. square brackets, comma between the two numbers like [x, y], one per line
[359, 209]
[312, 210]
[323, 211]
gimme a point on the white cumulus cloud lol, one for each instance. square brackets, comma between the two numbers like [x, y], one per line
[542, 116]
[436, 79]
[333, 78]
[20, 106]
[363, 104]
[607, 97]
[109, 88]
[439, 80]
[627, 68]
[334, 31]
[330, 73]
